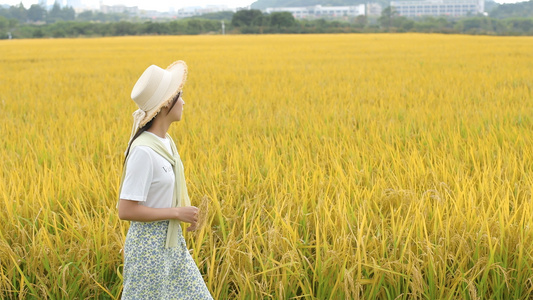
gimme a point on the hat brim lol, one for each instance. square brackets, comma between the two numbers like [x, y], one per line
[179, 76]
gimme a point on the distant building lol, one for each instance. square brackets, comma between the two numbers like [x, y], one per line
[197, 10]
[373, 9]
[74, 3]
[452, 8]
[119, 9]
[319, 11]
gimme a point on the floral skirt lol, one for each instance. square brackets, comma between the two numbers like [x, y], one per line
[152, 271]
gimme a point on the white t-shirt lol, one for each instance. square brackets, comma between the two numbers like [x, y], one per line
[149, 177]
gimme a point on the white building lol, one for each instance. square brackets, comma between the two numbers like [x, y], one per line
[74, 4]
[119, 9]
[452, 8]
[319, 11]
[373, 9]
[198, 10]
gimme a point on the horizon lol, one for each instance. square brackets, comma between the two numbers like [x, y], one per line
[161, 5]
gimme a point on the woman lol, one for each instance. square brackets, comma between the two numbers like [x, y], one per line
[153, 195]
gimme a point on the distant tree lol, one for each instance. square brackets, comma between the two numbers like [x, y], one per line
[68, 13]
[4, 23]
[4, 27]
[125, 28]
[38, 33]
[513, 10]
[155, 28]
[36, 13]
[19, 12]
[247, 18]
[211, 25]
[60, 14]
[403, 23]
[100, 16]
[361, 21]
[490, 5]
[282, 19]
[221, 15]
[321, 23]
[480, 25]
[55, 12]
[194, 26]
[520, 25]
[13, 23]
[177, 27]
[387, 17]
[432, 24]
[85, 16]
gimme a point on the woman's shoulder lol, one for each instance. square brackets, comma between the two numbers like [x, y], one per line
[141, 153]
[143, 150]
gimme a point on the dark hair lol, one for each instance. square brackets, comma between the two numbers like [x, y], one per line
[174, 101]
[137, 134]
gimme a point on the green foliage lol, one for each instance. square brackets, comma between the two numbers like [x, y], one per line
[18, 12]
[507, 19]
[124, 28]
[490, 5]
[387, 17]
[391, 21]
[282, 19]
[515, 10]
[520, 26]
[4, 23]
[60, 23]
[481, 25]
[252, 17]
[60, 14]
[221, 15]
[36, 13]
[432, 24]
[4, 27]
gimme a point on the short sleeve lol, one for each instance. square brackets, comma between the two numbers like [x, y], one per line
[139, 174]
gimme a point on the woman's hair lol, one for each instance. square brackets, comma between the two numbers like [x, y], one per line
[137, 134]
[174, 101]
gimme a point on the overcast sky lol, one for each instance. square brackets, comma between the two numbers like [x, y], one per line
[164, 5]
[161, 5]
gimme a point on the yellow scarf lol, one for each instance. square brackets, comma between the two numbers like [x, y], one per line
[180, 197]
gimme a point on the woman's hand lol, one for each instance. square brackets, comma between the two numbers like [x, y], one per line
[188, 214]
[191, 228]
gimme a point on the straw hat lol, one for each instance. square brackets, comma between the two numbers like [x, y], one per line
[155, 89]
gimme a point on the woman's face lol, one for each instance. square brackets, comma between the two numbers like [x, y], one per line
[175, 109]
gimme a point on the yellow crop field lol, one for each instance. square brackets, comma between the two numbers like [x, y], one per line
[326, 166]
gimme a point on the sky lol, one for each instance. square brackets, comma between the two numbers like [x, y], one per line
[164, 5]
[161, 5]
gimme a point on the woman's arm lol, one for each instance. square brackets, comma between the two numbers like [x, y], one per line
[132, 211]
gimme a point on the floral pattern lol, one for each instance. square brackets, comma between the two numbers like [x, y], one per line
[152, 271]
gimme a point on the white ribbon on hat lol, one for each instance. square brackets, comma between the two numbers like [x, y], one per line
[138, 116]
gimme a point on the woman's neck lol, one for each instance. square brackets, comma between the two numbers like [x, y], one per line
[159, 128]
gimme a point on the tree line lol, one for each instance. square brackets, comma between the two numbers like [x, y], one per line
[35, 22]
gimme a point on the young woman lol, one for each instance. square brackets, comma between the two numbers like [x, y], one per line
[153, 195]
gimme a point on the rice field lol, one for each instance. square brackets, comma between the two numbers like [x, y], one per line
[326, 166]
